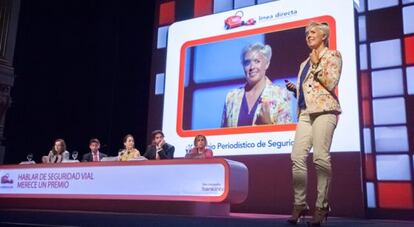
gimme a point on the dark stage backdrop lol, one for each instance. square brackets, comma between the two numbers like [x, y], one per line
[82, 71]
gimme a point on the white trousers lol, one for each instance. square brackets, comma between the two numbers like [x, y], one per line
[313, 130]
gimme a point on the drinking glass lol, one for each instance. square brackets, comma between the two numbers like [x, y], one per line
[29, 157]
[74, 155]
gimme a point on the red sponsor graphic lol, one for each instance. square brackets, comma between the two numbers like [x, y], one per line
[236, 21]
[5, 179]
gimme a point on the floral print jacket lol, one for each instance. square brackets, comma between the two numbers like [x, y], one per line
[279, 99]
[319, 85]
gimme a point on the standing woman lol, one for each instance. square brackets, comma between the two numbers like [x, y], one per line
[58, 152]
[129, 152]
[319, 108]
[200, 151]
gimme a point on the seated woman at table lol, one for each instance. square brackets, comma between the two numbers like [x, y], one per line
[129, 152]
[58, 152]
[200, 151]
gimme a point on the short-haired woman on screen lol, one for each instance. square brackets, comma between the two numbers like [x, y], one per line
[57, 153]
[258, 101]
[200, 151]
[129, 152]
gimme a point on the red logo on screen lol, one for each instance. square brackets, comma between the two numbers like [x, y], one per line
[5, 179]
[236, 21]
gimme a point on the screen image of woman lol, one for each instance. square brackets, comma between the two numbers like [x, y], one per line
[259, 101]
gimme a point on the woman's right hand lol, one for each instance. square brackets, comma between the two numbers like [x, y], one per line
[290, 86]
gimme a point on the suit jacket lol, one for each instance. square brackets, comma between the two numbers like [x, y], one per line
[167, 151]
[320, 83]
[278, 97]
[88, 157]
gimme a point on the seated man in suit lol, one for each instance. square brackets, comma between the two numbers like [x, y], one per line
[159, 149]
[94, 155]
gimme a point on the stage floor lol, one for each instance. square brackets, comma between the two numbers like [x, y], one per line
[81, 218]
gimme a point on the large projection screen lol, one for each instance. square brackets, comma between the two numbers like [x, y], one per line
[203, 65]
